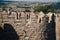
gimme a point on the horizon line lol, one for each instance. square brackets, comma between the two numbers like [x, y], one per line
[26, 1]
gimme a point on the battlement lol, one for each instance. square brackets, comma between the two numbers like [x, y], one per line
[31, 25]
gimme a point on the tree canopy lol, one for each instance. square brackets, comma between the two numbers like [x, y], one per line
[45, 9]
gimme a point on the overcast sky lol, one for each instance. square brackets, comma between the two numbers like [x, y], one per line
[35, 0]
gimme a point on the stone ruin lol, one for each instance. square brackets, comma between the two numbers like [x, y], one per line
[29, 26]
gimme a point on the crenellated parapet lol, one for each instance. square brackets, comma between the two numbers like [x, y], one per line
[31, 25]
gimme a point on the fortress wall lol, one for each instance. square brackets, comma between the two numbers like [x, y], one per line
[58, 27]
[31, 28]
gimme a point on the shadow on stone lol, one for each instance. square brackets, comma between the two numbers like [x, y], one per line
[8, 33]
[51, 34]
[1, 34]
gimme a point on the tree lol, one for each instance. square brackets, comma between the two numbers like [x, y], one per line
[45, 9]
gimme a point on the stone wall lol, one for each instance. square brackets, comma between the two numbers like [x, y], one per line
[29, 25]
[58, 27]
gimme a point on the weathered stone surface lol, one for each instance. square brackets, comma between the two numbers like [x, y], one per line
[58, 27]
[36, 27]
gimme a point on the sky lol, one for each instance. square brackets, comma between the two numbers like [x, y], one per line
[35, 0]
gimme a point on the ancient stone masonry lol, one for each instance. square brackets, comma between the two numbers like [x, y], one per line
[29, 25]
[58, 26]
